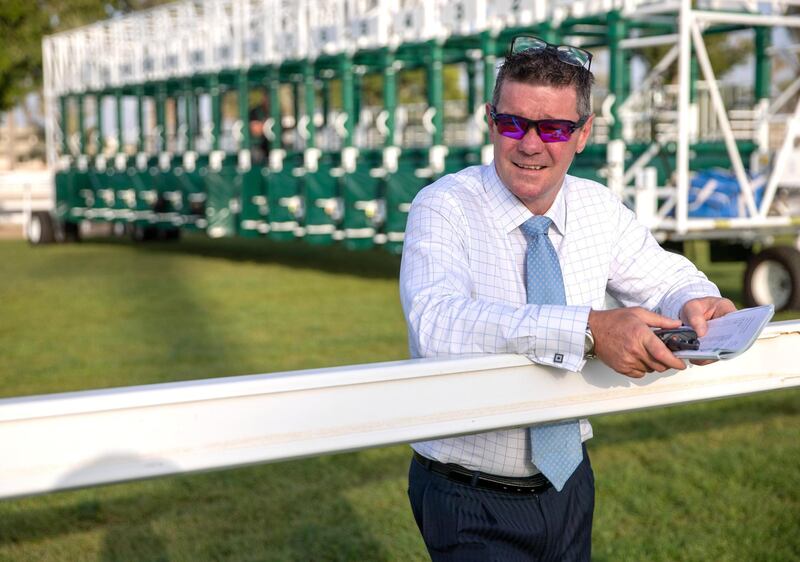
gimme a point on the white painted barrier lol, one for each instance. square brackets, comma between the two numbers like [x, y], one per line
[62, 441]
[22, 192]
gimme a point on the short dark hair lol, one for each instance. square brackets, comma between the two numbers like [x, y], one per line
[543, 68]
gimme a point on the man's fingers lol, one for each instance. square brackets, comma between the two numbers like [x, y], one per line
[701, 362]
[661, 358]
[656, 320]
[698, 324]
[697, 312]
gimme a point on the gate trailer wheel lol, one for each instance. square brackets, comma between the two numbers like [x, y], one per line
[773, 277]
[40, 228]
[72, 231]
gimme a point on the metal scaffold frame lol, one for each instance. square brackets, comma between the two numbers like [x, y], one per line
[344, 167]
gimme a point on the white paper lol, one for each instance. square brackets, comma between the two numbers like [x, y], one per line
[732, 334]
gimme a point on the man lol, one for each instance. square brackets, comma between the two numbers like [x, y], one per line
[260, 145]
[517, 257]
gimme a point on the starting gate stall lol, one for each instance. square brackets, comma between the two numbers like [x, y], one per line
[351, 143]
[364, 183]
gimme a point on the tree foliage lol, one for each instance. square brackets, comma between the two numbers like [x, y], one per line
[23, 25]
[723, 52]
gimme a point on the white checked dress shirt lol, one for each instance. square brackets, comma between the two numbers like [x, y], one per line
[462, 287]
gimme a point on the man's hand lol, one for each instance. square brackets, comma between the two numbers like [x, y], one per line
[697, 312]
[624, 340]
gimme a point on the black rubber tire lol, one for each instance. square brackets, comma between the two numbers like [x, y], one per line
[72, 232]
[40, 229]
[773, 277]
[172, 234]
[140, 233]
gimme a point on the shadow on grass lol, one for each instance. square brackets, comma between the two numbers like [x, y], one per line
[374, 263]
[663, 424]
[297, 510]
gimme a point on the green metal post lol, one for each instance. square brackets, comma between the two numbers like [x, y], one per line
[694, 73]
[63, 104]
[617, 70]
[161, 116]
[615, 148]
[119, 115]
[275, 106]
[489, 48]
[296, 104]
[310, 101]
[389, 95]
[762, 92]
[98, 107]
[549, 33]
[762, 67]
[140, 145]
[81, 130]
[244, 109]
[216, 111]
[348, 98]
[472, 94]
[358, 92]
[694, 108]
[326, 101]
[436, 90]
[191, 117]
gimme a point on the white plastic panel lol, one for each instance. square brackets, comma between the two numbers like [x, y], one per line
[222, 35]
[515, 13]
[370, 22]
[327, 28]
[198, 55]
[257, 40]
[462, 17]
[416, 21]
[290, 29]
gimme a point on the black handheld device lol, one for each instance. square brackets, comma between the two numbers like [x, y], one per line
[679, 339]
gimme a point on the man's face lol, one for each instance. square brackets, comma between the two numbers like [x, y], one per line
[531, 169]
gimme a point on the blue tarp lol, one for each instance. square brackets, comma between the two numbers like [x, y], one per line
[716, 194]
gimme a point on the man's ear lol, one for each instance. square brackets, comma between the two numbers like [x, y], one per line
[584, 134]
[488, 108]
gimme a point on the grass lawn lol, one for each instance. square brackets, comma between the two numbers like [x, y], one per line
[712, 481]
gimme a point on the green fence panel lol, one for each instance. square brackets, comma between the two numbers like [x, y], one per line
[223, 192]
[145, 182]
[102, 198]
[67, 198]
[124, 195]
[321, 191]
[401, 188]
[191, 186]
[284, 199]
[254, 202]
[460, 157]
[363, 205]
[83, 193]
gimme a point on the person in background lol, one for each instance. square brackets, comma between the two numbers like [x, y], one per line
[259, 143]
[517, 257]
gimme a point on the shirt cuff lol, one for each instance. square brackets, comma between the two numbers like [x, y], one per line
[561, 336]
[672, 306]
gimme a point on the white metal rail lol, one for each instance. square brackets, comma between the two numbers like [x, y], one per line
[63, 441]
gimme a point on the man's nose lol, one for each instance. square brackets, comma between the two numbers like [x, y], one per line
[531, 143]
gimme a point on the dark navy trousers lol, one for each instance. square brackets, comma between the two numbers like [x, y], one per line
[462, 523]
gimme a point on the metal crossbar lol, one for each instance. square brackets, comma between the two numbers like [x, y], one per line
[77, 439]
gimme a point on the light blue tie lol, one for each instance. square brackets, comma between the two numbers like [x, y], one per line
[555, 448]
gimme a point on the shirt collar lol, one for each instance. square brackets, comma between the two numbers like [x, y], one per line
[510, 212]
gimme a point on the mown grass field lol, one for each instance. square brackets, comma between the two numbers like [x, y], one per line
[713, 481]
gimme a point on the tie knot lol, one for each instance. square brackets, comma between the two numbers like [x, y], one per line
[535, 225]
